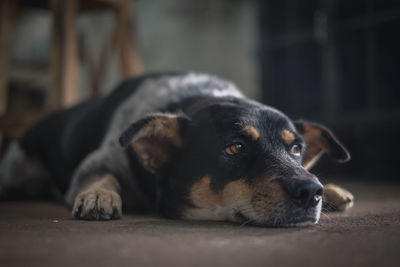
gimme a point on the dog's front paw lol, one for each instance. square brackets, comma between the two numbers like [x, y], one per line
[97, 204]
[337, 198]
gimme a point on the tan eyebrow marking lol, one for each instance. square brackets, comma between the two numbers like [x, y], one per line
[287, 136]
[250, 130]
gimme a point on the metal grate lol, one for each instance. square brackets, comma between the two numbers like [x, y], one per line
[331, 60]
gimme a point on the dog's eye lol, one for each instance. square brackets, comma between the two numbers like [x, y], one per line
[296, 150]
[234, 149]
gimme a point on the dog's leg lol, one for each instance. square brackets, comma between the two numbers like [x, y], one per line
[95, 189]
[102, 184]
[99, 200]
[336, 198]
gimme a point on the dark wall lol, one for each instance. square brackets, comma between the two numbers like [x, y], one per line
[338, 62]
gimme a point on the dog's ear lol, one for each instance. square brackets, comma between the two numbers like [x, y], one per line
[320, 139]
[154, 138]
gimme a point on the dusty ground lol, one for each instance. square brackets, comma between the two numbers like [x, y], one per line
[44, 234]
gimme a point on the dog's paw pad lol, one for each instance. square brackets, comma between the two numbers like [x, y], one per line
[97, 204]
[337, 198]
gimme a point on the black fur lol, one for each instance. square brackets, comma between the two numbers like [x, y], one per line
[208, 123]
[62, 140]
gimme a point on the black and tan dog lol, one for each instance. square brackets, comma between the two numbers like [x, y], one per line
[188, 145]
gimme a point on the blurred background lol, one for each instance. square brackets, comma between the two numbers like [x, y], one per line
[335, 62]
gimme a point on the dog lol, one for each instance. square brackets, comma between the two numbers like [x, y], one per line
[187, 145]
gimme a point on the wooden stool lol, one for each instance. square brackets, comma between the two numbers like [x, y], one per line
[65, 63]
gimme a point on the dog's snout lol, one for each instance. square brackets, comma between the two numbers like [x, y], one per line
[306, 193]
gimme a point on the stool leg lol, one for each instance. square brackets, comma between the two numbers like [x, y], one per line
[131, 63]
[55, 90]
[8, 13]
[70, 60]
[65, 59]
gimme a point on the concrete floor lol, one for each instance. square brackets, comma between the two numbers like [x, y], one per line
[44, 234]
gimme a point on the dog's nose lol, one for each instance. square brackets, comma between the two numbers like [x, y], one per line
[305, 193]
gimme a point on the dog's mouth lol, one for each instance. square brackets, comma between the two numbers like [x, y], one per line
[298, 222]
[290, 220]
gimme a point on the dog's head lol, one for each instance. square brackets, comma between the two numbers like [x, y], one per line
[239, 161]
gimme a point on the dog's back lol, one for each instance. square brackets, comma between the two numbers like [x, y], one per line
[59, 143]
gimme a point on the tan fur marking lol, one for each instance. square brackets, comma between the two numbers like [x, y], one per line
[236, 192]
[312, 135]
[287, 136]
[311, 162]
[151, 142]
[262, 201]
[315, 146]
[202, 196]
[217, 205]
[165, 127]
[259, 200]
[253, 132]
[268, 195]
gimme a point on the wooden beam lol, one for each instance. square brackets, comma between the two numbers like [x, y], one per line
[54, 100]
[124, 37]
[8, 13]
[65, 57]
[70, 62]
